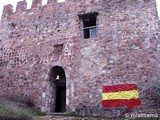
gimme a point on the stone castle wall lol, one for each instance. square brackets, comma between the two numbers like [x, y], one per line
[126, 50]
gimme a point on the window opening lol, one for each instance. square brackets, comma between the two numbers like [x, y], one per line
[89, 24]
[89, 27]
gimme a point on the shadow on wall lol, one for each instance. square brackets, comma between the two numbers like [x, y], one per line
[151, 97]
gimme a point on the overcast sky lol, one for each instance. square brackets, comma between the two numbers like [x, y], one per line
[14, 3]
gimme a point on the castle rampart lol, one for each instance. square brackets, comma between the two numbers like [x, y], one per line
[122, 47]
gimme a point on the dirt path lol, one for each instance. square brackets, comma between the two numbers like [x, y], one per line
[67, 118]
[55, 118]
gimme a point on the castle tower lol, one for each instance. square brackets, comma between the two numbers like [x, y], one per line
[60, 56]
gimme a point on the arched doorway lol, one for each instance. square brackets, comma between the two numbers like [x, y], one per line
[58, 77]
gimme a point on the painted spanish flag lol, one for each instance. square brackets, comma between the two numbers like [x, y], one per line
[120, 95]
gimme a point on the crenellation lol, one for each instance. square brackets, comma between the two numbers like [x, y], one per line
[7, 10]
[51, 5]
[36, 4]
[50, 1]
[21, 6]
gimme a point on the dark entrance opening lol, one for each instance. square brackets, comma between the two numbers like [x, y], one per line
[60, 99]
[59, 79]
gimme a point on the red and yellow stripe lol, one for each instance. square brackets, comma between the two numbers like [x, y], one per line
[120, 95]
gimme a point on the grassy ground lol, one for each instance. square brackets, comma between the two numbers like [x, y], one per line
[13, 110]
[89, 118]
[73, 116]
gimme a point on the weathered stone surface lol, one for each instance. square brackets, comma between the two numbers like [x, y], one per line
[126, 50]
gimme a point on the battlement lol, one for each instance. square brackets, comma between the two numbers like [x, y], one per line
[80, 5]
[7, 10]
[22, 7]
[36, 3]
